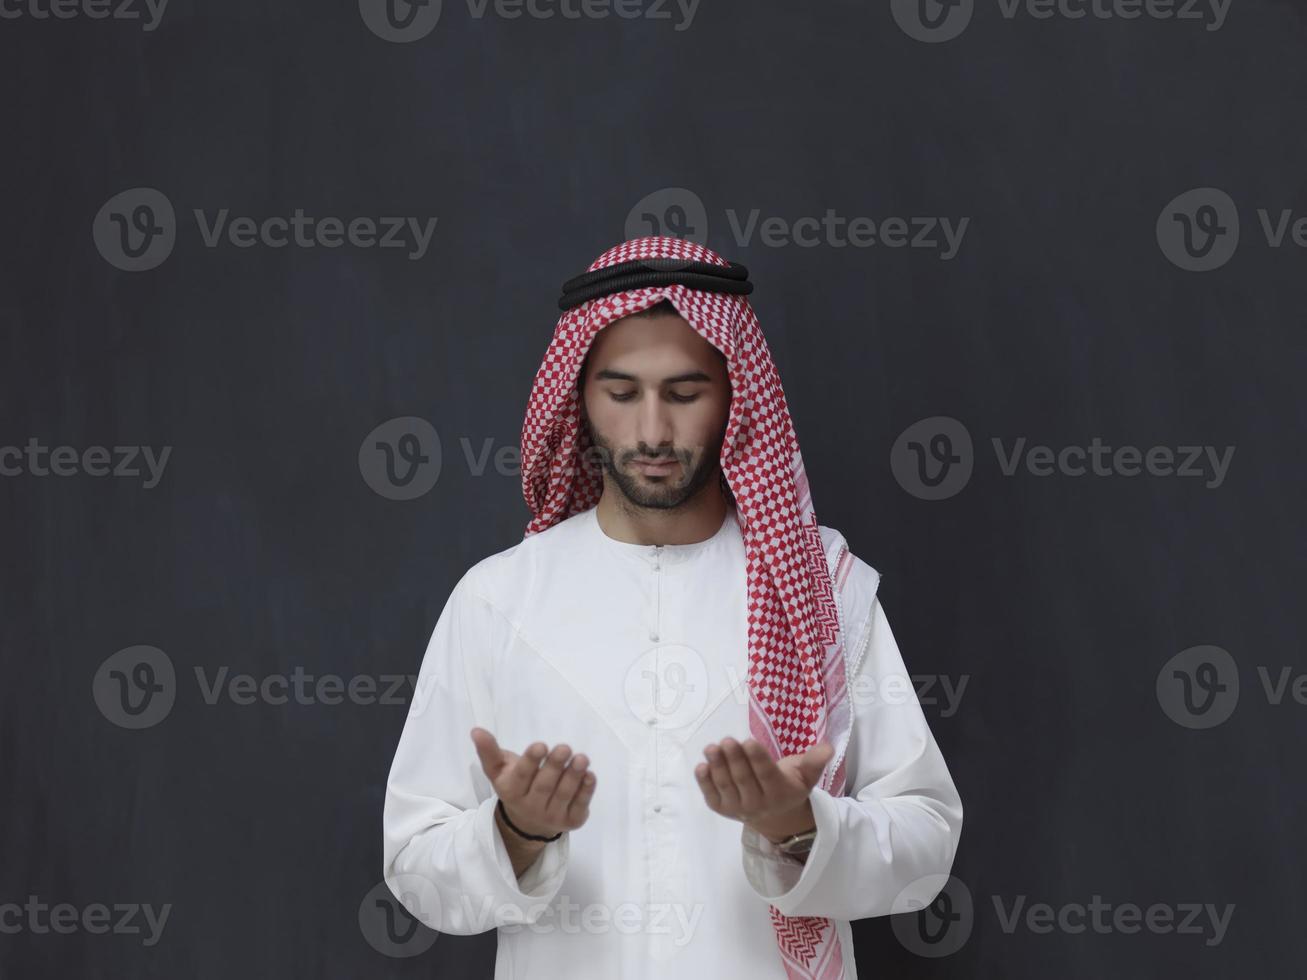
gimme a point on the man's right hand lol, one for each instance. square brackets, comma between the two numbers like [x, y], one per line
[539, 799]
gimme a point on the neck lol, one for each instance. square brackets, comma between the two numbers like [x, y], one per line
[698, 519]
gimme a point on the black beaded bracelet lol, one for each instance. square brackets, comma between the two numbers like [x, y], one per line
[522, 833]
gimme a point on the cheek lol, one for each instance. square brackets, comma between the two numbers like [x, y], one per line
[604, 421]
[706, 427]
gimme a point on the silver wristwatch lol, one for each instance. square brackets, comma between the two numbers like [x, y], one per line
[798, 844]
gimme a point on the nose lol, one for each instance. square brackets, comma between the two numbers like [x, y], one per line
[653, 424]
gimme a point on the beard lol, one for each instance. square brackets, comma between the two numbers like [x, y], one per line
[653, 492]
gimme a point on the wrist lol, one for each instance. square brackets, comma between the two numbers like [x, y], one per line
[524, 835]
[781, 826]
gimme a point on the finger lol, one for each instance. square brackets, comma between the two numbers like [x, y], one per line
[516, 779]
[579, 809]
[567, 786]
[542, 787]
[746, 783]
[765, 770]
[706, 786]
[720, 774]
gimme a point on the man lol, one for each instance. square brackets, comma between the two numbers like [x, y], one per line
[666, 734]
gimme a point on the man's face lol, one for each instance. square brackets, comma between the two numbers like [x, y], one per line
[655, 390]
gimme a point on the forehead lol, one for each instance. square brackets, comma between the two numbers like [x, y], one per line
[647, 344]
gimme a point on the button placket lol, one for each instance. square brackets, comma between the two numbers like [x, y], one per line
[658, 592]
[654, 633]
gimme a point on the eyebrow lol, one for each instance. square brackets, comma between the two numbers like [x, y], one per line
[608, 374]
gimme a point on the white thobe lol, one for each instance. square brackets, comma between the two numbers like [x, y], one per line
[636, 656]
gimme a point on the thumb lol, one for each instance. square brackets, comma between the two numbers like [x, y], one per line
[812, 762]
[488, 751]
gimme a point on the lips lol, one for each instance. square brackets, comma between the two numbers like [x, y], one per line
[657, 467]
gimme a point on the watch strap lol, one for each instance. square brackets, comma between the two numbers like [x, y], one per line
[797, 843]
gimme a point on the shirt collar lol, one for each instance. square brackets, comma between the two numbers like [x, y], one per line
[666, 553]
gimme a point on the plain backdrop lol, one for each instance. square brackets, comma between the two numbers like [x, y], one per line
[1058, 600]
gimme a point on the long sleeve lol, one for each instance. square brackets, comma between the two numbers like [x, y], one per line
[899, 826]
[443, 856]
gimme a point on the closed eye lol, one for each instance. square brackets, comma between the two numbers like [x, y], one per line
[679, 399]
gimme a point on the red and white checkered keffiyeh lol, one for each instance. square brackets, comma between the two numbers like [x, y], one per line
[797, 689]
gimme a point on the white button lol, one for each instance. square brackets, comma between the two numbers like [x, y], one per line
[658, 808]
[651, 721]
[653, 634]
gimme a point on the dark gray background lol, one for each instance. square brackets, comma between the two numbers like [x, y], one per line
[1059, 598]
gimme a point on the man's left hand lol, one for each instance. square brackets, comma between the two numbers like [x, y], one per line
[742, 781]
